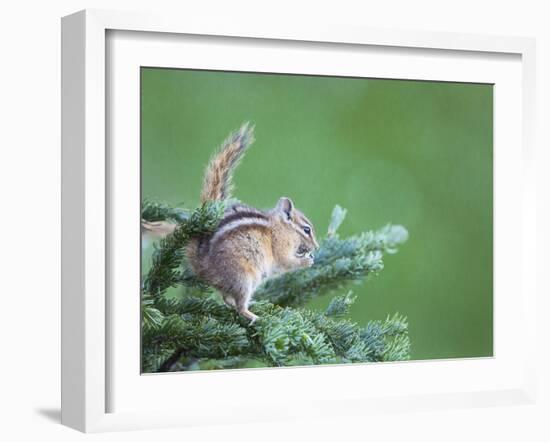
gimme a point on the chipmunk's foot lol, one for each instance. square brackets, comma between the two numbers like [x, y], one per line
[249, 315]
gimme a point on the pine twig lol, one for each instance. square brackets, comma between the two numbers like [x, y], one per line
[169, 254]
[196, 330]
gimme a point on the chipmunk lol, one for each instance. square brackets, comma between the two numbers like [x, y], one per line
[249, 245]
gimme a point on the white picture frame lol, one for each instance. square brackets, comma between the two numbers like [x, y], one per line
[87, 205]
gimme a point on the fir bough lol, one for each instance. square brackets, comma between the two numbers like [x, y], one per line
[196, 330]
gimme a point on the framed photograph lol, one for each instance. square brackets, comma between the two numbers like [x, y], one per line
[324, 221]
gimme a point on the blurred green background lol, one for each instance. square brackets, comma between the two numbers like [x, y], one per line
[414, 153]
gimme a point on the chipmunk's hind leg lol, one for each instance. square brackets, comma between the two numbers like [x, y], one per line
[240, 302]
[230, 301]
[243, 302]
[243, 310]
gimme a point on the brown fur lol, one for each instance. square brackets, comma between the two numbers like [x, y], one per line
[217, 183]
[249, 245]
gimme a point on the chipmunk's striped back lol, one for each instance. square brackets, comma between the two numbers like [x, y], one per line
[236, 219]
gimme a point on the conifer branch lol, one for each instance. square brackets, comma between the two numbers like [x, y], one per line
[198, 331]
[152, 210]
[205, 329]
[336, 262]
[168, 255]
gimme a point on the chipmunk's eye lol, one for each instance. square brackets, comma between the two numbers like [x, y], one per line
[307, 230]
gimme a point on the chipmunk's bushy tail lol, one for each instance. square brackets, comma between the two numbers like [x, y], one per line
[218, 176]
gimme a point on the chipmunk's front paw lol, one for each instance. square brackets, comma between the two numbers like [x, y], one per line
[304, 256]
[306, 261]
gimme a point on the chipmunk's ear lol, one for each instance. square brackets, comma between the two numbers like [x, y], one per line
[285, 206]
